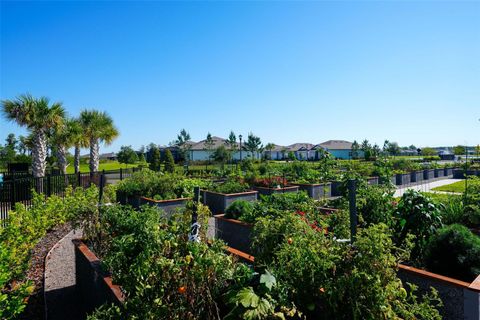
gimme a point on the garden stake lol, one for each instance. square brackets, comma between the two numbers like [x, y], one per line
[352, 192]
[195, 228]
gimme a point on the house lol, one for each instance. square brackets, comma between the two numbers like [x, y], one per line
[202, 151]
[302, 151]
[277, 153]
[108, 156]
[339, 149]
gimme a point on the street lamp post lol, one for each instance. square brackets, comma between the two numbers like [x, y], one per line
[240, 137]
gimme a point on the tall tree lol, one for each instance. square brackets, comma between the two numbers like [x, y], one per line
[182, 143]
[79, 140]
[253, 144]
[221, 155]
[155, 162]
[38, 116]
[232, 144]
[209, 143]
[169, 162]
[127, 155]
[355, 149]
[393, 148]
[98, 128]
[62, 138]
[459, 150]
[269, 147]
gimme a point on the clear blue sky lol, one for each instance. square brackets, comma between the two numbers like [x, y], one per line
[287, 71]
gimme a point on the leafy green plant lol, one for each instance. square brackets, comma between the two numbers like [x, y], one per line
[418, 215]
[455, 252]
[239, 209]
[232, 185]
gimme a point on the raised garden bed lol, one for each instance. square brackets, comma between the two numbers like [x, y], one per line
[269, 191]
[235, 233]
[461, 173]
[125, 199]
[402, 179]
[169, 206]
[372, 180]
[461, 299]
[219, 202]
[416, 176]
[447, 172]
[335, 188]
[439, 173]
[428, 174]
[316, 191]
[93, 286]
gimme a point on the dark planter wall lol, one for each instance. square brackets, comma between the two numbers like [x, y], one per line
[93, 287]
[316, 191]
[123, 199]
[438, 173]
[235, 233]
[448, 172]
[169, 206]
[428, 174]
[270, 191]
[335, 188]
[402, 179]
[416, 176]
[218, 202]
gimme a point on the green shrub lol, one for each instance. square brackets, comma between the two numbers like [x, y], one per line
[455, 252]
[240, 210]
[232, 185]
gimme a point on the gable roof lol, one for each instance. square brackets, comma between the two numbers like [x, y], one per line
[300, 147]
[336, 145]
[217, 142]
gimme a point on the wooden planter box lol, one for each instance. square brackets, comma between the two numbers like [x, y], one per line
[169, 206]
[218, 202]
[416, 176]
[124, 199]
[93, 287]
[235, 233]
[428, 174]
[316, 191]
[269, 191]
[402, 179]
[372, 180]
[461, 299]
[438, 173]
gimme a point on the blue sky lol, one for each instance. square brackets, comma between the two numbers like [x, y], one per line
[286, 71]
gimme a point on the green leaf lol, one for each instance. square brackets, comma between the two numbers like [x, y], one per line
[248, 298]
[268, 280]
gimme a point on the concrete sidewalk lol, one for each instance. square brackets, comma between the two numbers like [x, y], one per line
[426, 186]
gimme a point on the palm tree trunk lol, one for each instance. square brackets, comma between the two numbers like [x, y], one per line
[62, 158]
[94, 155]
[39, 154]
[77, 159]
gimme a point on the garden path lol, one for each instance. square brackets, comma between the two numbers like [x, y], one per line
[426, 186]
[60, 299]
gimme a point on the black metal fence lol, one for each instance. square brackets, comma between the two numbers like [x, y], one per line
[19, 188]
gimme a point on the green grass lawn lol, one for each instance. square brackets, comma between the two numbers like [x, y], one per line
[111, 165]
[453, 187]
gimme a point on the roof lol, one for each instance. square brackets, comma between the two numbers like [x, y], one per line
[217, 142]
[335, 145]
[300, 147]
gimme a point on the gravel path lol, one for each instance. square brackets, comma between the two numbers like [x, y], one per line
[426, 186]
[60, 299]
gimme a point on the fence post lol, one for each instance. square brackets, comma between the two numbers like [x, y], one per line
[121, 174]
[49, 191]
[79, 178]
[100, 193]
[195, 228]
[12, 194]
[352, 198]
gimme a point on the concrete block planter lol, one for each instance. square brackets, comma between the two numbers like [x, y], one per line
[462, 174]
[125, 199]
[169, 206]
[269, 191]
[461, 299]
[335, 188]
[416, 176]
[448, 172]
[235, 233]
[439, 173]
[218, 202]
[402, 179]
[428, 174]
[93, 287]
[316, 191]
[372, 180]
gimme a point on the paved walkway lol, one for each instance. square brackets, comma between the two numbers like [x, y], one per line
[426, 186]
[60, 298]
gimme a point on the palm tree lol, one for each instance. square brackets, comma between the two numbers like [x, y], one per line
[79, 140]
[65, 137]
[38, 116]
[97, 127]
